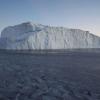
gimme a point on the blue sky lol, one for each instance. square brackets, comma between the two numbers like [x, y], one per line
[83, 14]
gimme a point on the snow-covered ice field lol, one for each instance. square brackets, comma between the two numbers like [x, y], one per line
[68, 75]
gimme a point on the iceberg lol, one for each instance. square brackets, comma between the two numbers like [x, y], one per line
[30, 36]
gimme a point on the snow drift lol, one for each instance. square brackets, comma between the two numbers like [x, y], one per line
[29, 36]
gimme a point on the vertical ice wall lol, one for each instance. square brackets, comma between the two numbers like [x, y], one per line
[37, 36]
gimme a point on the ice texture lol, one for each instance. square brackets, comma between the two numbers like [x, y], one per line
[30, 36]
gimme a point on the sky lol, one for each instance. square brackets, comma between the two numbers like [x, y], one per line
[79, 14]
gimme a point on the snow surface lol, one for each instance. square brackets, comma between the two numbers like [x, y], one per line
[36, 36]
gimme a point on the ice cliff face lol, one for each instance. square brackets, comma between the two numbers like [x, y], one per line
[37, 36]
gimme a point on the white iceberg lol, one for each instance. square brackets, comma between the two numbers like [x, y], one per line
[29, 36]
